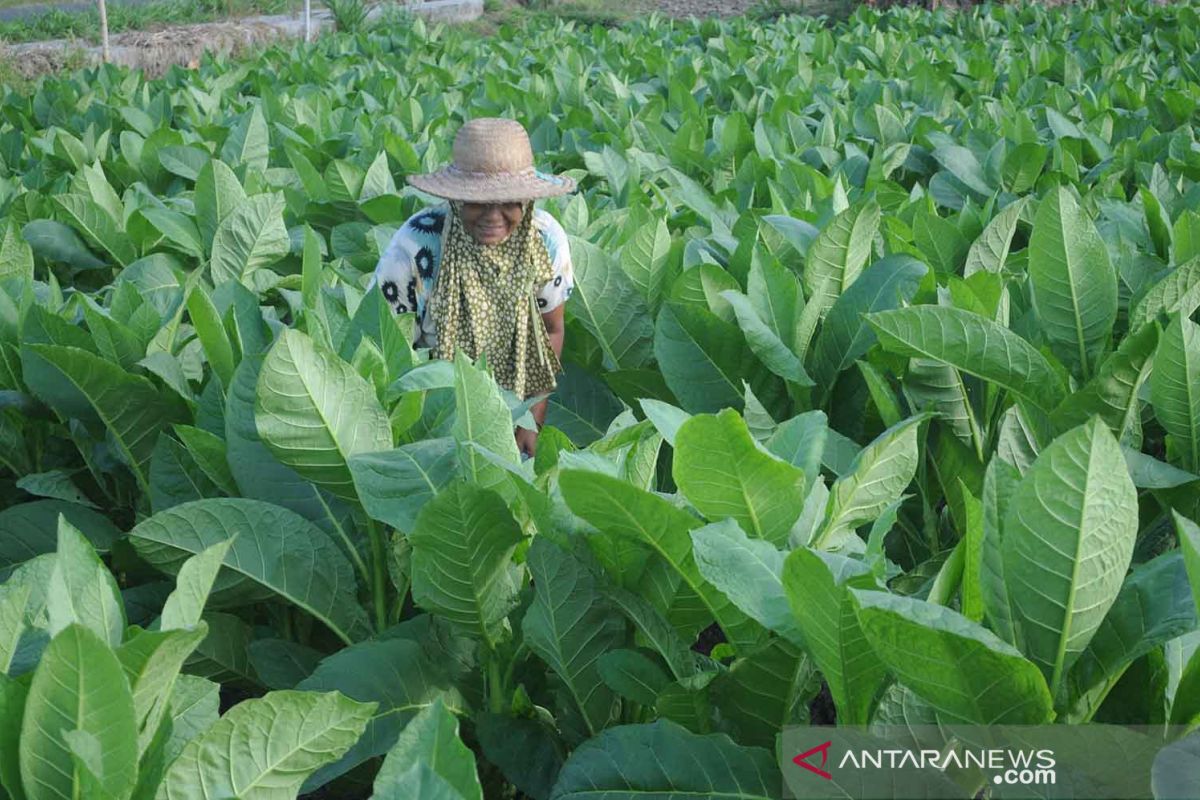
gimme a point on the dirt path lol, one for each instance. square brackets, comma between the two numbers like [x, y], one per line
[155, 52]
[705, 8]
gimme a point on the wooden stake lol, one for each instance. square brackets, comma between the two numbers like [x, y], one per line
[103, 31]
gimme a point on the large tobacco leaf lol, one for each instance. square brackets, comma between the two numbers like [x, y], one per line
[274, 553]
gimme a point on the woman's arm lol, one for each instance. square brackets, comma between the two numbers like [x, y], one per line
[556, 328]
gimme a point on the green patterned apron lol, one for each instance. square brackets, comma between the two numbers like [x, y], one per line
[486, 304]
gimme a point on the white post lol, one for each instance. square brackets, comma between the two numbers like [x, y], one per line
[103, 31]
[308, 20]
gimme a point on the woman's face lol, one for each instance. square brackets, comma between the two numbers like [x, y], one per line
[491, 223]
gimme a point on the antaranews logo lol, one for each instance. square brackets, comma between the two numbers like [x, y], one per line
[1020, 767]
[802, 760]
[917, 762]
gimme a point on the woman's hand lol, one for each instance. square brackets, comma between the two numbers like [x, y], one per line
[527, 441]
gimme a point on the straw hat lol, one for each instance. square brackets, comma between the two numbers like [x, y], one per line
[493, 163]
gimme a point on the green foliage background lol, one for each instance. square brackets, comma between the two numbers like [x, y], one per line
[881, 360]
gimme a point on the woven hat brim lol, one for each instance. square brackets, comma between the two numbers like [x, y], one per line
[474, 188]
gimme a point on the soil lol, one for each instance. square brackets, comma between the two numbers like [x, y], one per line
[154, 51]
[821, 710]
[709, 638]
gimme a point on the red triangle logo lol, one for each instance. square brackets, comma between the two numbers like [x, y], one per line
[802, 760]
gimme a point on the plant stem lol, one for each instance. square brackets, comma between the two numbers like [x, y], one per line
[378, 574]
[495, 684]
[512, 665]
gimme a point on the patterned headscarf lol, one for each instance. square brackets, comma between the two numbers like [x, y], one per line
[486, 303]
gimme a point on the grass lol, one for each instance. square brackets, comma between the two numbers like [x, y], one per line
[57, 24]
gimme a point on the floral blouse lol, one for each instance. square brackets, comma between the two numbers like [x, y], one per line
[408, 267]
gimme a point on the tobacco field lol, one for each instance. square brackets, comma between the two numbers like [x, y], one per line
[881, 405]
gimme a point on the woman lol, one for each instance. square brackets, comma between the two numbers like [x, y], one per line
[486, 272]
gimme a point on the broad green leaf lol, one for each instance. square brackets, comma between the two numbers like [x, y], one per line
[1074, 283]
[152, 661]
[82, 591]
[210, 454]
[57, 242]
[666, 418]
[1147, 472]
[16, 257]
[724, 473]
[193, 708]
[877, 478]
[1177, 293]
[98, 228]
[1068, 538]
[12, 711]
[483, 418]
[972, 344]
[618, 509]
[937, 387]
[940, 242]
[569, 627]
[248, 142]
[1153, 606]
[845, 337]
[251, 237]
[839, 253]
[265, 748]
[662, 759]
[281, 664]
[999, 483]
[817, 587]
[989, 251]
[397, 677]
[174, 476]
[1176, 768]
[747, 571]
[802, 441]
[275, 553]
[192, 586]
[78, 686]
[257, 473]
[461, 546]
[702, 358]
[218, 193]
[1114, 391]
[129, 405]
[223, 655]
[1185, 237]
[178, 229]
[960, 668]
[1175, 388]
[395, 484]
[14, 600]
[972, 590]
[645, 260]
[774, 292]
[632, 674]
[430, 740]
[764, 342]
[657, 631]
[528, 752]
[314, 412]
[766, 690]
[211, 331]
[1189, 542]
[608, 304]
[311, 269]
